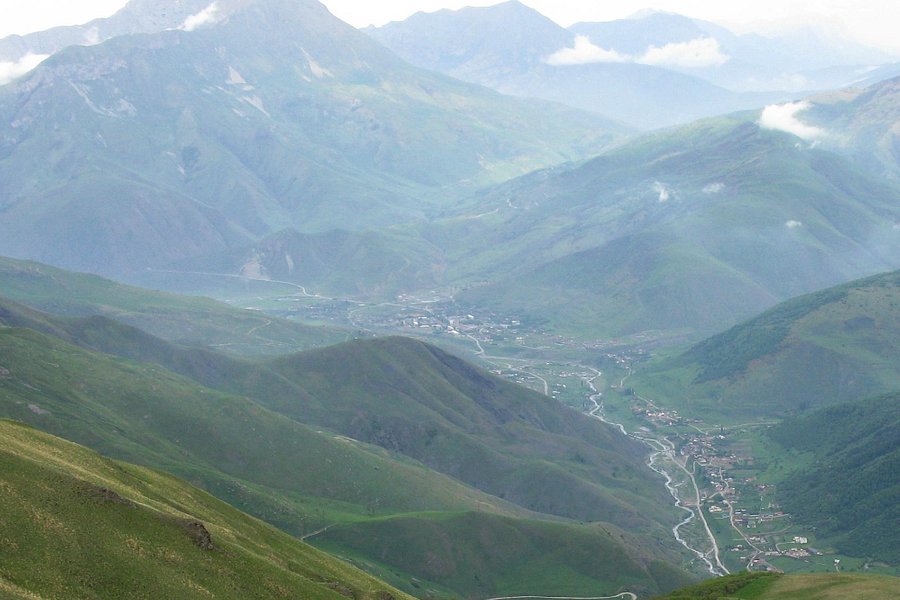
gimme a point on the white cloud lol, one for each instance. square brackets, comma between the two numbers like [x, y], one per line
[714, 188]
[207, 15]
[783, 117]
[13, 70]
[701, 52]
[584, 53]
[663, 192]
[793, 224]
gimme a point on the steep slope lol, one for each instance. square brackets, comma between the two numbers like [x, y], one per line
[769, 586]
[864, 123]
[187, 320]
[75, 524]
[850, 494]
[269, 465]
[418, 400]
[147, 149]
[299, 478]
[832, 346]
[415, 400]
[688, 230]
[481, 555]
[511, 48]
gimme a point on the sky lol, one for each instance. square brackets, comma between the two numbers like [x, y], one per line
[874, 22]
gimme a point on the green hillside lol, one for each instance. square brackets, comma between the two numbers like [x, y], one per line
[481, 555]
[768, 586]
[687, 231]
[188, 320]
[849, 493]
[269, 465]
[76, 525]
[303, 478]
[416, 400]
[832, 346]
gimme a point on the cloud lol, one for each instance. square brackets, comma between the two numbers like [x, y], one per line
[700, 52]
[584, 53]
[663, 192]
[713, 188]
[783, 117]
[793, 224]
[13, 70]
[207, 15]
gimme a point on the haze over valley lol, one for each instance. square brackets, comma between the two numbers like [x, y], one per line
[471, 305]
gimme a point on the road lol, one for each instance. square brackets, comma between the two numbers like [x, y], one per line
[315, 533]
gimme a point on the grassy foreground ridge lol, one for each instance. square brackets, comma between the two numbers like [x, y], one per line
[75, 524]
[769, 586]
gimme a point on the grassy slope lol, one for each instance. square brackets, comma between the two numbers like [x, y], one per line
[416, 400]
[74, 524]
[231, 445]
[836, 345]
[480, 555]
[765, 586]
[190, 320]
[266, 464]
[850, 494]
[747, 219]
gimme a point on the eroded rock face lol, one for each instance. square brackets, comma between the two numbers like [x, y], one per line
[200, 534]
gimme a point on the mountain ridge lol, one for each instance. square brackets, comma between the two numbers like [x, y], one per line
[823, 348]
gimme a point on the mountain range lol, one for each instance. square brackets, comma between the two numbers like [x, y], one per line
[510, 47]
[738, 268]
[679, 233]
[690, 229]
[352, 173]
[238, 144]
[651, 70]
